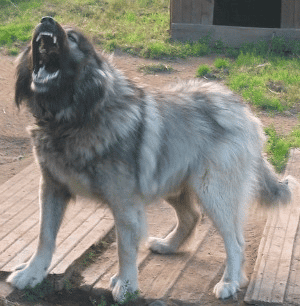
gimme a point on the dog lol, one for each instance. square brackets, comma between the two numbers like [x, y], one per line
[100, 135]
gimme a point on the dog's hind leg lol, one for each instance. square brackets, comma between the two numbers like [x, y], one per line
[187, 217]
[53, 201]
[222, 199]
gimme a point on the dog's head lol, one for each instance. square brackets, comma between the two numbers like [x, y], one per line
[57, 58]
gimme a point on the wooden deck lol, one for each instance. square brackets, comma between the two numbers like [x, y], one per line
[275, 280]
[84, 225]
[276, 276]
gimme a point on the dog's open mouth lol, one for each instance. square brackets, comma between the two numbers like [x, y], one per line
[46, 60]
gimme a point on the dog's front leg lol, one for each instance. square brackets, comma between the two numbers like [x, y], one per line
[130, 226]
[53, 201]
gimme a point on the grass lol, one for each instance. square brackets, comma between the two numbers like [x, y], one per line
[39, 291]
[278, 146]
[252, 76]
[221, 63]
[156, 68]
[203, 70]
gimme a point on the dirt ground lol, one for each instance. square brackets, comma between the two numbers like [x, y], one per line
[15, 146]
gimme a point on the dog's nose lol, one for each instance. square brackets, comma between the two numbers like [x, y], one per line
[48, 19]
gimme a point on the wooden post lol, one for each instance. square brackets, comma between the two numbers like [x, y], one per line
[207, 13]
[290, 14]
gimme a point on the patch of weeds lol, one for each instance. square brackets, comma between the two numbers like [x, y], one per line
[199, 48]
[219, 46]
[232, 52]
[13, 51]
[130, 296]
[88, 258]
[220, 63]
[278, 46]
[68, 286]
[278, 146]
[203, 70]
[39, 291]
[271, 84]
[155, 68]
[128, 299]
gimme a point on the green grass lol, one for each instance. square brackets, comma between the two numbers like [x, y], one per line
[203, 70]
[221, 63]
[253, 76]
[39, 291]
[278, 146]
[269, 81]
[155, 68]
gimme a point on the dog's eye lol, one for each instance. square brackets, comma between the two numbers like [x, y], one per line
[72, 38]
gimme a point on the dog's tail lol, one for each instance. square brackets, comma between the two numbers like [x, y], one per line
[271, 189]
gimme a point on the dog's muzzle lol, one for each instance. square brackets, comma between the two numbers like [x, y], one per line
[46, 55]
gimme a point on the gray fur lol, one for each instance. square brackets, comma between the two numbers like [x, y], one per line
[105, 137]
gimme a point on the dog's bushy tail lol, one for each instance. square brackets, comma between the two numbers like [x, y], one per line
[271, 189]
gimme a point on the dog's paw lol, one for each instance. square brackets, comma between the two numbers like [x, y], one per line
[161, 246]
[123, 291]
[224, 290]
[26, 275]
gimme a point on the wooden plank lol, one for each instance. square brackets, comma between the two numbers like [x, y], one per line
[160, 274]
[12, 198]
[283, 271]
[293, 287]
[201, 271]
[187, 8]
[31, 169]
[196, 12]
[297, 14]
[231, 36]
[88, 238]
[73, 216]
[288, 13]
[207, 13]
[14, 219]
[22, 250]
[255, 277]
[270, 278]
[176, 11]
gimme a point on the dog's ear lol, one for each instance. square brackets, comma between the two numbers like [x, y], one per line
[23, 76]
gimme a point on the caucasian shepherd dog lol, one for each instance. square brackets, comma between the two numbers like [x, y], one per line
[100, 135]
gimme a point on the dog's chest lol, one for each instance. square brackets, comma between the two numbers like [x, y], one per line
[73, 166]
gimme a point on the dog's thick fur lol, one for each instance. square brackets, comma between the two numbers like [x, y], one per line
[100, 135]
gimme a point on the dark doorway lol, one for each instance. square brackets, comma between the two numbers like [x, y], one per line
[248, 13]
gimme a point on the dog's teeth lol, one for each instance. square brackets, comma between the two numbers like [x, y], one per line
[54, 39]
[45, 34]
[39, 37]
[53, 75]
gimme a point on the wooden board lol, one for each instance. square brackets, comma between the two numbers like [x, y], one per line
[85, 223]
[290, 14]
[192, 11]
[231, 36]
[273, 281]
